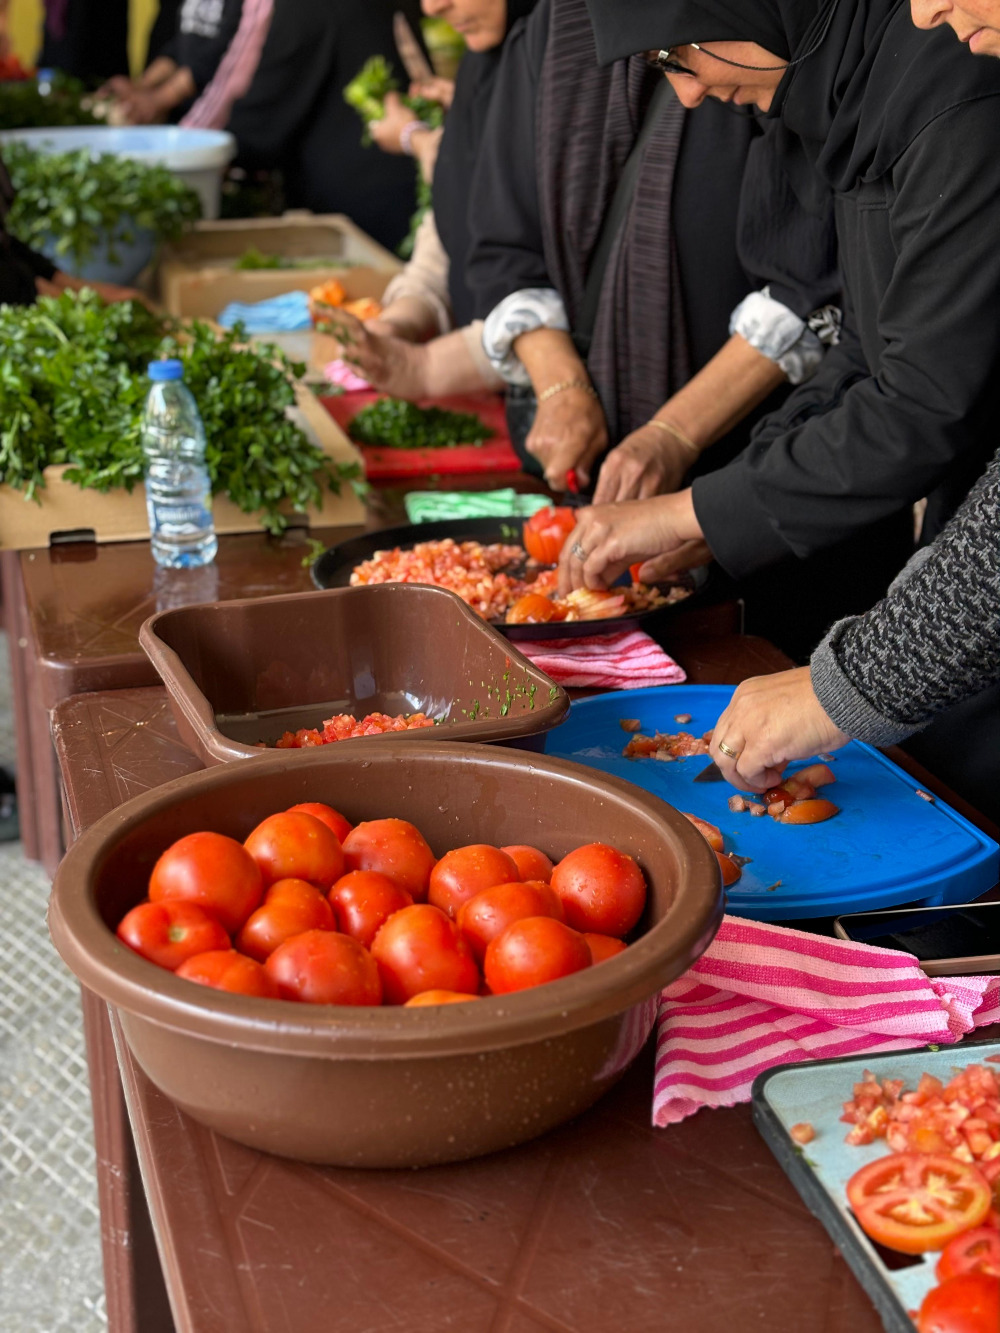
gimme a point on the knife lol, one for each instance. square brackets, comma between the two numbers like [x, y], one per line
[711, 774]
[416, 64]
[573, 497]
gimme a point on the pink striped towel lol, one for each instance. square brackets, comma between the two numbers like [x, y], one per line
[765, 995]
[625, 661]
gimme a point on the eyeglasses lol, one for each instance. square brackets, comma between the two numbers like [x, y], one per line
[664, 62]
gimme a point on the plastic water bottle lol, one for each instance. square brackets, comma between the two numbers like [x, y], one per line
[178, 489]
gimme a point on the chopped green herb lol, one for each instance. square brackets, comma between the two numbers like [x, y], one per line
[397, 424]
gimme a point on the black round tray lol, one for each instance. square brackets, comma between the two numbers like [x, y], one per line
[334, 567]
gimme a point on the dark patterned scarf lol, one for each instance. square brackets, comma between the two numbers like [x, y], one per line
[589, 119]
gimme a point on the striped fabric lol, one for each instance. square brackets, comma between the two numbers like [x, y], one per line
[626, 661]
[765, 995]
[236, 70]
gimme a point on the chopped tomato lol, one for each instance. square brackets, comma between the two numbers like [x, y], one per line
[975, 1251]
[730, 870]
[817, 775]
[809, 812]
[709, 832]
[914, 1202]
[534, 609]
[803, 1132]
[545, 533]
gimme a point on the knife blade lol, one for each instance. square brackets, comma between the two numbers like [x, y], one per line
[416, 64]
[711, 774]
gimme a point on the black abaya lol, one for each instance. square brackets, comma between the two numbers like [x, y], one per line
[295, 117]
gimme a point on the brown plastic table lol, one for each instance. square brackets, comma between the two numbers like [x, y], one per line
[604, 1223]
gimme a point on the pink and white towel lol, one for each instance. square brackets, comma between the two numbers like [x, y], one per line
[630, 660]
[236, 69]
[764, 995]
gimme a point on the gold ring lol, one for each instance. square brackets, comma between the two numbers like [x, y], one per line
[733, 754]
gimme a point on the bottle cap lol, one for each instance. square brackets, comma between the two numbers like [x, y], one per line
[160, 371]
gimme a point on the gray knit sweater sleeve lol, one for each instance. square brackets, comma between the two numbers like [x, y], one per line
[932, 642]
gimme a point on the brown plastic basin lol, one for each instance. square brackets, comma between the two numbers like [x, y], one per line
[391, 1086]
[241, 673]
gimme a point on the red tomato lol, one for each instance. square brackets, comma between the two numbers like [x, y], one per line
[975, 1251]
[969, 1303]
[364, 901]
[225, 969]
[730, 870]
[466, 871]
[213, 871]
[326, 814]
[914, 1202]
[429, 997]
[809, 812]
[603, 947]
[169, 933]
[533, 951]
[602, 889]
[817, 775]
[325, 967]
[530, 862]
[290, 907]
[534, 609]
[393, 848]
[545, 533]
[708, 831]
[634, 571]
[490, 912]
[420, 949]
[296, 846]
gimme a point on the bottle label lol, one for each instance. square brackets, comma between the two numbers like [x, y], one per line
[176, 515]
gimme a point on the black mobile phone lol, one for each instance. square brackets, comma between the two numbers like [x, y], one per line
[945, 940]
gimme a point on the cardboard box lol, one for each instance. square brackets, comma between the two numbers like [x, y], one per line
[197, 277]
[119, 516]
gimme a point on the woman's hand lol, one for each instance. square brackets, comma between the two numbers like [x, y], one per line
[770, 721]
[389, 364]
[662, 534]
[569, 435]
[648, 462]
[387, 132]
[435, 90]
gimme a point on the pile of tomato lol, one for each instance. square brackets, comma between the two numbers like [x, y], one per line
[310, 909]
[938, 1190]
[345, 727]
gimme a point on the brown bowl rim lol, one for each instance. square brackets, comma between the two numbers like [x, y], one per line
[197, 711]
[124, 979]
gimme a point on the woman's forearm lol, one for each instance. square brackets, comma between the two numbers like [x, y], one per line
[735, 381]
[450, 366]
[550, 358]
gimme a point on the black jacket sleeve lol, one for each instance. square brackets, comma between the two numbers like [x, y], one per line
[506, 252]
[918, 403]
[203, 55]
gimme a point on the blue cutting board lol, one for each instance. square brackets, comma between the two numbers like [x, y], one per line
[814, 1092]
[887, 846]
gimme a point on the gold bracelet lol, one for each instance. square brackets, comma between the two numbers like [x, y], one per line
[562, 386]
[677, 433]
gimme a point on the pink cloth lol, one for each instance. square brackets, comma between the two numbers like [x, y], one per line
[236, 70]
[625, 661]
[344, 376]
[765, 995]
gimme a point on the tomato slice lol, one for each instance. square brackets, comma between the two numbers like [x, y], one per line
[914, 1202]
[975, 1251]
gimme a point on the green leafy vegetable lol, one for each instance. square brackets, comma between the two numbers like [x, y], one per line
[23, 107]
[367, 92]
[86, 203]
[397, 424]
[73, 387]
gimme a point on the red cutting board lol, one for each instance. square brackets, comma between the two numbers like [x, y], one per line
[494, 455]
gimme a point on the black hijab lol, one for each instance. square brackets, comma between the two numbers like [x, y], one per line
[863, 83]
[457, 157]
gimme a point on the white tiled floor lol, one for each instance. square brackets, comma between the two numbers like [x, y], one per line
[50, 1251]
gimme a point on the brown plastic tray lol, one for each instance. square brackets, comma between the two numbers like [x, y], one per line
[380, 1087]
[242, 673]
